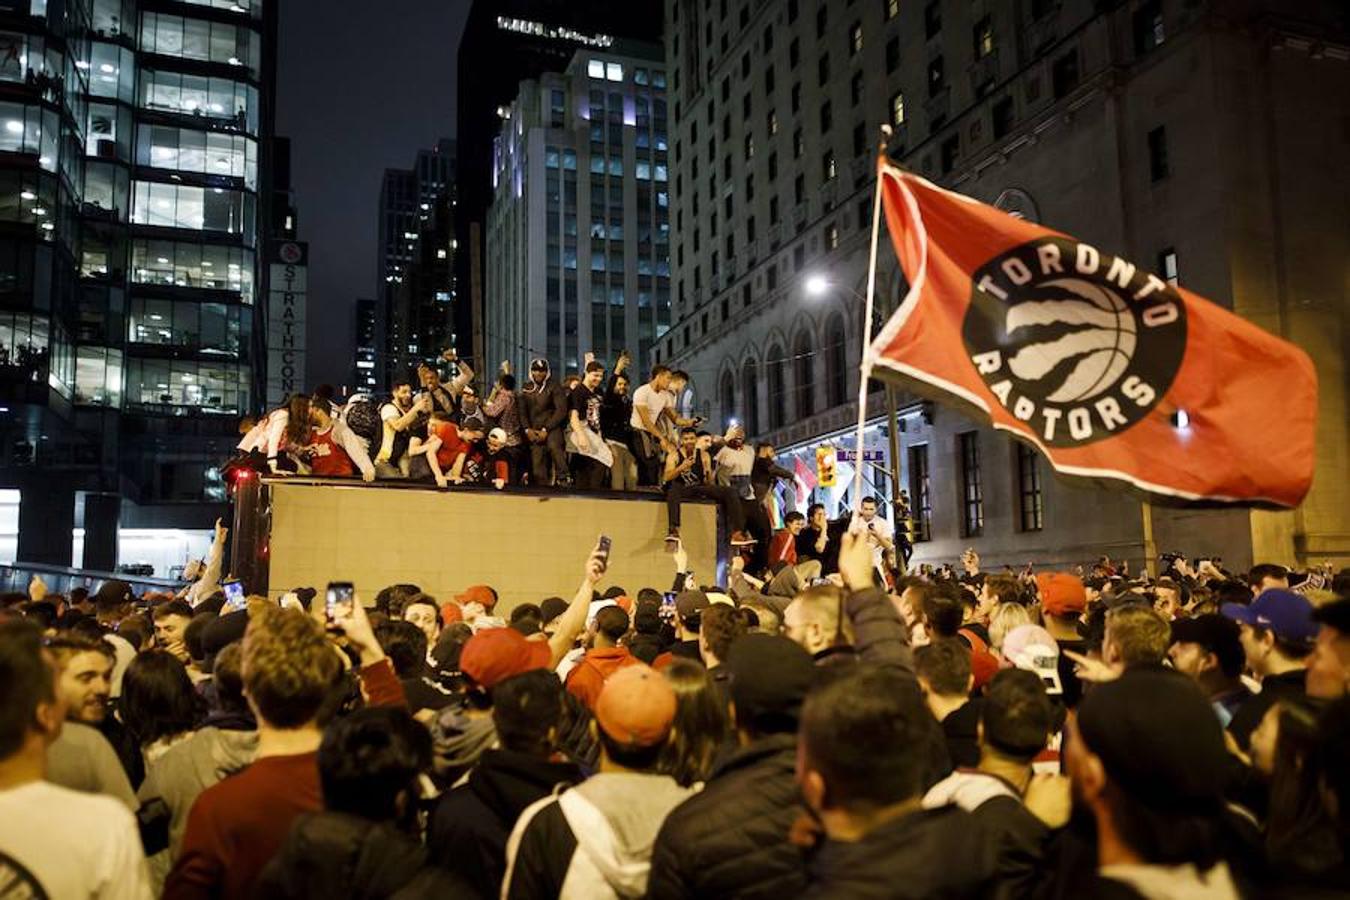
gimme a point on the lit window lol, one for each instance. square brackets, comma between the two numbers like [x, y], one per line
[898, 109]
[613, 71]
[595, 69]
[441, 254]
[1167, 266]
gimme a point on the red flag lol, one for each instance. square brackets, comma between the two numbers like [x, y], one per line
[1112, 372]
[804, 473]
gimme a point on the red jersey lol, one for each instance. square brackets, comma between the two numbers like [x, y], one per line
[783, 548]
[452, 445]
[327, 456]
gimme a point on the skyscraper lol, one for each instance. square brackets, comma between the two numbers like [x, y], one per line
[578, 240]
[135, 188]
[365, 378]
[408, 198]
[504, 43]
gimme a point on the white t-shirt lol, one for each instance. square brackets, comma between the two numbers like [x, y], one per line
[655, 401]
[881, 528]
[75, 845]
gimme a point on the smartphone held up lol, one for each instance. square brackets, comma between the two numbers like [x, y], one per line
[338, 603]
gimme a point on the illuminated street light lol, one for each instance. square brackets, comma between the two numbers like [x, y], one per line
[817, 285]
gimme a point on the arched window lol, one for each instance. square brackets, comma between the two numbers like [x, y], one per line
[836, 373]
[728, 395]
[774, 366]
[750, 390]
[805, 377]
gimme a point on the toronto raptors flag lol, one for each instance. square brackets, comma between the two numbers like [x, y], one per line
[1112, 372]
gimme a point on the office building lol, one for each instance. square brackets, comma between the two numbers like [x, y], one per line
[504, 43]
[135, 195]
[408, 200]
[1189, 136]
[578, 240]
[365, 378]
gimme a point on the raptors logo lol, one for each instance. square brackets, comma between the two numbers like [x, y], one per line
[1077, 344]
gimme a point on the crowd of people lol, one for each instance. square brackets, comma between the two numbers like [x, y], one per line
[1013, 735]
[588, 431]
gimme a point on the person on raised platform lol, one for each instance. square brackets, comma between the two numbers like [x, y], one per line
[591, 455]
[333, 449]
[543, 410]
[400, 418]
[689, 476]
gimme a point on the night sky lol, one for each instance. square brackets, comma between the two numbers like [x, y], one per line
[361, 86]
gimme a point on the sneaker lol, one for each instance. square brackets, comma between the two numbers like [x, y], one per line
[741, 539]
[563, 480]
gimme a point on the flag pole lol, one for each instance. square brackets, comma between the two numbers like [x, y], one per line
[865, 373]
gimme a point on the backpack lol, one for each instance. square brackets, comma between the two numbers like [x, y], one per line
[362, 416]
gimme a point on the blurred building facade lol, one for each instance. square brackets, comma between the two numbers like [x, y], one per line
[1189, 136]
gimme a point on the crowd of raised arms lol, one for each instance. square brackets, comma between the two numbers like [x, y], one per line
[958, 735]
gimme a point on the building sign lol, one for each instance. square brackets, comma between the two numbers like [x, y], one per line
[553, 32]
[287, 271]
[871, 456]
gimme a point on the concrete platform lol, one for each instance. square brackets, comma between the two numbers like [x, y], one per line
[526, 543]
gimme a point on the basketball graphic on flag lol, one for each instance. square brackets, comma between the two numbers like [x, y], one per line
[1100, 339]
[1075, 343]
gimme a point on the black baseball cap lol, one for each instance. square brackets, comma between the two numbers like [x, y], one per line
[1217, 634]
[1158, 739]
[538, 364]
[770, 677]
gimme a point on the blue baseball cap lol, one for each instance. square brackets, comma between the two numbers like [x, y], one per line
[1284, 612]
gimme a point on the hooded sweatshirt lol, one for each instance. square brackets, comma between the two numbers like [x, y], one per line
[471, 824]
[592, 841]
[459, 739]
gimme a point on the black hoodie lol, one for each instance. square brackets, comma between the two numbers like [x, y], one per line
[934, 854]
[333, 854]
[471, 824]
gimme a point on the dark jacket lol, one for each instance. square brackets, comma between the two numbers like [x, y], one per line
[763, 474]
[730, 840]
[879, 635]
[934, 854]
[616, 414]
[542, 406]
[337, 855]
[470, 826]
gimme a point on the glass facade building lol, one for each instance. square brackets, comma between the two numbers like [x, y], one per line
[578, 241]
[134, 155]
[410, 201]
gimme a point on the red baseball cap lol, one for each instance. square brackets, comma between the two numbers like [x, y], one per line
[480, 594]
[495, 654]
[636, 707]
[1062, 594]
[451, 613]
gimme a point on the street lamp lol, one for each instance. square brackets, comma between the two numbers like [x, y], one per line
[817, 285]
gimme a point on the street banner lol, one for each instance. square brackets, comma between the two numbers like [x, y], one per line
[826, 467]
[1113, 373]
